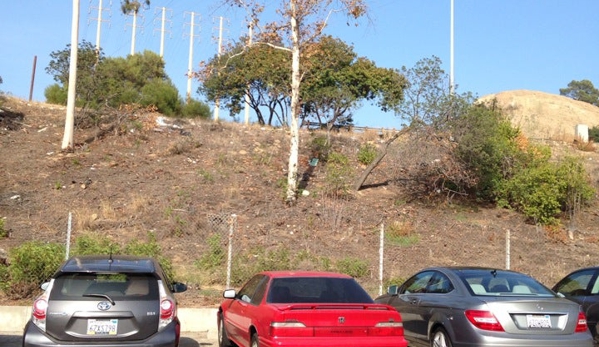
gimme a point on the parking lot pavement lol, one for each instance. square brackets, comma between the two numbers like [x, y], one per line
[188, 339]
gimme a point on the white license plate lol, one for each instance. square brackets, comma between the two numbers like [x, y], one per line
[538, 321]
[102, 326]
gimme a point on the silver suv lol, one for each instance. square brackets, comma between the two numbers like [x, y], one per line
[106, 301]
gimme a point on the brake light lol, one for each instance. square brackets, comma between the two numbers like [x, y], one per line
[387, 329]
[581, 325]
[168, 308]
[40, 308]
[290, 328]
[484, 320]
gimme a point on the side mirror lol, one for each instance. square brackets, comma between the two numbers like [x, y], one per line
[393, 290]
[229, 294]
[179, 287]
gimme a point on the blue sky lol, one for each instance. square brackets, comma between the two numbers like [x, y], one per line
[502, 45]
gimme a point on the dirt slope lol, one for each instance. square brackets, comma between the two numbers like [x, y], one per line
[182, 183]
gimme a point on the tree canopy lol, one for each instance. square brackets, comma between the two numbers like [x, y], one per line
[582, 91]
[111, 82]
[335, 82]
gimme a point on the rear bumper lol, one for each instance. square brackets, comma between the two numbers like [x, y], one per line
[168, 337]
[396, 341]
[574, 340]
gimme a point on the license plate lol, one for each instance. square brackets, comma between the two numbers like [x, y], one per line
[102, 326]
[538, 321]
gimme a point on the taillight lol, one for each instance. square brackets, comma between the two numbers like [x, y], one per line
[39, 308]
[484, 320]
[387, 329]
[581, 325]
[168, 308]
[290, 328]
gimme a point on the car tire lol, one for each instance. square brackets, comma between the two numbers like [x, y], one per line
[440, 338]
[223, 339]
[254, 342]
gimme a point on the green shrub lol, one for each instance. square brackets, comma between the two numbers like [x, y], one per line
[162, 94]
[354, 267]
[320, 147]
[542, 192]
[338, 175]
[55, 94]
[594, 134]
[367, 153]
[195, 109]
[215, 257]
[30, 264]
[3, 230]
[90, 244]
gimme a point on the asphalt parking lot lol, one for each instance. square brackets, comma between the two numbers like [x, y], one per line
[188, 339]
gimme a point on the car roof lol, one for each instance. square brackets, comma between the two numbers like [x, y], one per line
[300, 273]
[109, 263]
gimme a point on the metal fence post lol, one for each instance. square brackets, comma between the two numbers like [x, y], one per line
[507, 249]
[68, 245]
[232, 223]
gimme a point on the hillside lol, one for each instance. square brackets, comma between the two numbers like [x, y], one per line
[183, 183]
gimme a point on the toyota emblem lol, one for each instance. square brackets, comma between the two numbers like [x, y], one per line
[104, 306]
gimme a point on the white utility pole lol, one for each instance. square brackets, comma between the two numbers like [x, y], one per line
[247, 97]
[451, 85]
[133, 30]
[163, 29]
[220, 43]
[100, 20]
[67, 140]
[190, 62]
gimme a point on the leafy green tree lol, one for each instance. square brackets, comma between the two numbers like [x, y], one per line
[297, 24]
[261, 72]
[88, 75]
[336, 82]
[581, 91]
[428, 99]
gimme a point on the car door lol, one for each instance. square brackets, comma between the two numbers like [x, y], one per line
[238, 316]
[583, 287]
[407, 303]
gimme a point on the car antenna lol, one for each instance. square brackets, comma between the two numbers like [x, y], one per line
[494, 272]
[110, 257]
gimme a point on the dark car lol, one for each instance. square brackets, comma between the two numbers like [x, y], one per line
[582, 287]
[472, 306]
[306, 308]
[106, 301]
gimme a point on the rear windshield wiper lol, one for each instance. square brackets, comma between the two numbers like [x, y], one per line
[94, 295]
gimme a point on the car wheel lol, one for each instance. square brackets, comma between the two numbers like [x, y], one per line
[440, 338]
[223, 339]
[255, 340]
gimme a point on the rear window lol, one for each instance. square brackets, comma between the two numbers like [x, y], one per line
[116, 286]
[502, 283]
[317, 290]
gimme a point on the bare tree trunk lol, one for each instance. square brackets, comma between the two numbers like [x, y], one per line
[377, 160]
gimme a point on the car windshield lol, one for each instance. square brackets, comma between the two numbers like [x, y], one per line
[502, 283]
[317, 290]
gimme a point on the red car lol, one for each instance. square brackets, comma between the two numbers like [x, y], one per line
[306, 308]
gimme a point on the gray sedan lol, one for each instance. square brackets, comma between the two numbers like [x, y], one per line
[473, 306]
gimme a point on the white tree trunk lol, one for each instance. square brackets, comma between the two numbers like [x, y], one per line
[294, 121]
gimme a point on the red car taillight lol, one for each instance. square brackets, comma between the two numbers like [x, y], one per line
[387, 329]
[484, 320]
[40, 306]
[167, 308]
[581, 325]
